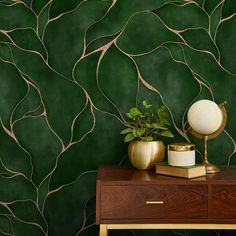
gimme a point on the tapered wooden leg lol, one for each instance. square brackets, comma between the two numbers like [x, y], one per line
[103, 230]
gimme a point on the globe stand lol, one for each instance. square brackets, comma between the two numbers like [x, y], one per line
[211, 168]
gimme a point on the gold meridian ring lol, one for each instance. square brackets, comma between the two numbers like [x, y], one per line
[216, 133]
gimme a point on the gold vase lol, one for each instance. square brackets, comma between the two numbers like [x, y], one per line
[144, 155]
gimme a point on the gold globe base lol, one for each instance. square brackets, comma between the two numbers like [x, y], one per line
[210, 168]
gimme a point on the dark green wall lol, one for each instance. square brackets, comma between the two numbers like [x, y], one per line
[70, 70]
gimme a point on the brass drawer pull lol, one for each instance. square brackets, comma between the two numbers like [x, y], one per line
[154, 202]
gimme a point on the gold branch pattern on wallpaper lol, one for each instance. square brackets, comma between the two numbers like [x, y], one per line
[69, 72]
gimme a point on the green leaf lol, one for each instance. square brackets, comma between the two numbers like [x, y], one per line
[137, 132]
[166, 133]
[163, 115]
[147, 138]
[134, 111]
[164, 122]
[140, 131]
[126, 131]
[145, 115]
[129, 115]
[147, 104]
[157, 126]
[148, 125]
[160, 109]
[129, 137]
[134, 132]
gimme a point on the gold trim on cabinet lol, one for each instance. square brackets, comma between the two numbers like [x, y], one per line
[171, 226]
[152, 202]
[103, 230]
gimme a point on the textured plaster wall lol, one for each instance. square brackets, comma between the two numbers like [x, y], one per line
[70, 70]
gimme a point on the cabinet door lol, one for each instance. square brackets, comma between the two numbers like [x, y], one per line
[224, 201]
[154, 201]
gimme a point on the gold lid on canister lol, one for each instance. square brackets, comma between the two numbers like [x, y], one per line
[181, 147]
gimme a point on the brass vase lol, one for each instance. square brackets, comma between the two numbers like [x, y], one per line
[144, 155]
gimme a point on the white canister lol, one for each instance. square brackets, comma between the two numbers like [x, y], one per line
[181, 154]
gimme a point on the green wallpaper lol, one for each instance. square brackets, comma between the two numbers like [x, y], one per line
[70, 70]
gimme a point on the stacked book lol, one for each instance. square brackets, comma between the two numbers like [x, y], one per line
[184, 172]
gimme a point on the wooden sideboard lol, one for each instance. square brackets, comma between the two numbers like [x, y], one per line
[127, 198]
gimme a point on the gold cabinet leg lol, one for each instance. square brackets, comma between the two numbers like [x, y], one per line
[103, 230]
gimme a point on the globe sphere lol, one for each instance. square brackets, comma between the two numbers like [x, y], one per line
[205, 117]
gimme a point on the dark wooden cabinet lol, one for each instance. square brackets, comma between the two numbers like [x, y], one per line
[130, 198]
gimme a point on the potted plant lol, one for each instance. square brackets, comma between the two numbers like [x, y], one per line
[143, 132]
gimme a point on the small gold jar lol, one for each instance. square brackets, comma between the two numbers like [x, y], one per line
[181, 154]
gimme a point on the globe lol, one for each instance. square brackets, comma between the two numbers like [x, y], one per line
[207, 120]
[205, 117]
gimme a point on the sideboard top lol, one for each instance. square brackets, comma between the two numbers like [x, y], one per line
[128, 173]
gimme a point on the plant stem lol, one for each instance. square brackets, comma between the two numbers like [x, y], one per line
[139, 122]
